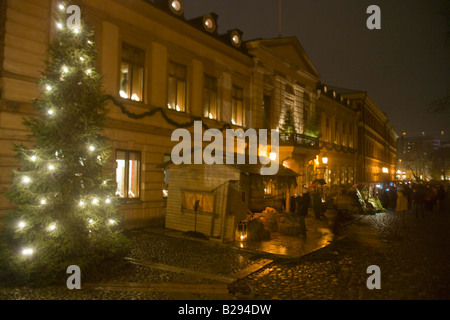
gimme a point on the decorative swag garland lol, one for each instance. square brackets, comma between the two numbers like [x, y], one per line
[326, 145]
[163, 113]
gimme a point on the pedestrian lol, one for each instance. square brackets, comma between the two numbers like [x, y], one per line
[418, 197]
[402, 203]
[441, 194]
[302, 210]
[317, 204]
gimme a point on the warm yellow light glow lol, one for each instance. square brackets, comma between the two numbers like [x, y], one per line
[26, 180]
[48, 88]
[50, 112]
[324, 159]
[123, 94]
[108, 200]
[33, 158]
[82, 58]
[273, 156]
[21, 224]
[385, 170]
[43, 201]
[52, 227]
[51, 167]
[111, 221]
[91, 148]
[61, 7]
[95, 201]
[81, 203]
[59, 25]
[135, 97]
[27, 251]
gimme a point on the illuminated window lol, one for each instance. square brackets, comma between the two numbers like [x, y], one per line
[205, 201]
[268, 188]
[132, 73]
[177, 87]
[210, 97]
[128, 174]
[237, 106]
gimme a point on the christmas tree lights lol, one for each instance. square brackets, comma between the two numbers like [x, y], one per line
[63, 177]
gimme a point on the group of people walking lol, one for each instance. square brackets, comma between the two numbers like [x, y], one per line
[422, 199]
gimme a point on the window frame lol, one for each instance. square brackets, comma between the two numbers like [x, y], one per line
[131, 66]
[177, 80]
[215, 87]
[234, 105]
[127, 173]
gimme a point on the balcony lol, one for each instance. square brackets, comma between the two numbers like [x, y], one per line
[298, 140]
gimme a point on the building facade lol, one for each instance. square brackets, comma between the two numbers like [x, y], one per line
[162, 71]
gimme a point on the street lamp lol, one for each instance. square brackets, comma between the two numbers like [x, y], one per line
[324, 159]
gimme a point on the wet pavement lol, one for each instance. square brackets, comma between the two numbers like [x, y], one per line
[319, 234]
[166, 265]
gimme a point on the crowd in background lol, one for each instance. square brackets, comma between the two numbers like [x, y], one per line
[420, 198]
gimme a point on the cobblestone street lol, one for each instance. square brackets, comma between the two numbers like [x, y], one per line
[414, 263]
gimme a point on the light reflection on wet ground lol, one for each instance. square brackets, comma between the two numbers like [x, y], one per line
[319, 235]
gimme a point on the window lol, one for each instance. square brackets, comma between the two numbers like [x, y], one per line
[269, 188]
[177, 87]
[266, 112]
[237, 106]
[132, 73]
[210, 97]
[128, 174]
[205, 201]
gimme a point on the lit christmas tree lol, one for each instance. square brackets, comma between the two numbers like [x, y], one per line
[66, 210]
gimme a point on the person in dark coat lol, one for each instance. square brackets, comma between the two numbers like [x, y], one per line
[441, 194]
[418, 197]
[302, 210]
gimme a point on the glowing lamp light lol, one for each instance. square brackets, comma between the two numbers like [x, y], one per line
[50, 112]
[26, 180]
[91, 221]
[65, 69]
[21, 225]
[95, 201]
[33, 158]
[273, 156]
[91, 148]
[123, 94]
[81, 203]
[112, 221]
[59, 25]
[108, 200]
[52, 227]
[81, 58]
[27, 251]
[385, 170]
[324, 159]
[48, 88]
[242, 232]
[135, 97]
[88, 71]
[43, 201]
[61, 7]
[51, 167]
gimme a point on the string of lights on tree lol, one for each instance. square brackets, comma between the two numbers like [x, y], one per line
[65, 198]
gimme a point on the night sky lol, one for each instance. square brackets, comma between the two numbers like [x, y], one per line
[403, 67]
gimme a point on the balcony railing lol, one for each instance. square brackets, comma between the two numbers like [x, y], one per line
[296, 139]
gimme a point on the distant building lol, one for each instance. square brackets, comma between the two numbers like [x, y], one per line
[423, 158]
